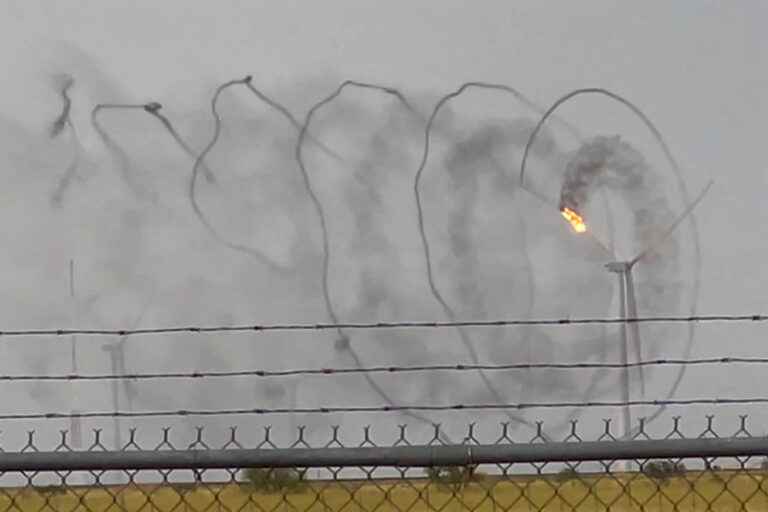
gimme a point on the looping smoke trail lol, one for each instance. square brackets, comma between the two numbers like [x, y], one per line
[123, 160]
[531, 284]
[191, 193]
[343, 342]
[681, 188]
[291, 119]
[57, 196]
[422, 230]
[63, 119]
[308, 182]
[57, 127]
[153, 108]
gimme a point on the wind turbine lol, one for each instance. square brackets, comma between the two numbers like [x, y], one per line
[630, 331]
[116, 351]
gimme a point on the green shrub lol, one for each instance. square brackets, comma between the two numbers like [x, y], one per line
[447, 476]
[274, 479]
[52, 490]
[663, 470]
[567, 474]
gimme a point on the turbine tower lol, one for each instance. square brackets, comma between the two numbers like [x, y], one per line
[630, 335]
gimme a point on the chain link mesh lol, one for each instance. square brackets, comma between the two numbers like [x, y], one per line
[653, 484]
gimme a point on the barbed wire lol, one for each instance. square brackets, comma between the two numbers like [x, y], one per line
[382, 408]
[192, 329]
[458, 367]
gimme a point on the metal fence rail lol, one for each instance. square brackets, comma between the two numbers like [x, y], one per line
[701, 472]
[389, 456]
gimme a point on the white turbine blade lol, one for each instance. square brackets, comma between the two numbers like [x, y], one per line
[673, 226]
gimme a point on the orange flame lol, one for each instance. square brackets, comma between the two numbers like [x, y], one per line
[574, 219]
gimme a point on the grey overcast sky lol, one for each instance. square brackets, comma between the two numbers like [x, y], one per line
[696, 68]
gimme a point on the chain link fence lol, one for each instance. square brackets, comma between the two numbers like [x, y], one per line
[675, 473]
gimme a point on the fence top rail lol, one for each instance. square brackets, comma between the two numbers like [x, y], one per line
[397, 456]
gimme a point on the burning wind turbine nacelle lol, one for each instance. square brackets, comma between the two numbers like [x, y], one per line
[574, 219]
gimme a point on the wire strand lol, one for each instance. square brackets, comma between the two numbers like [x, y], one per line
[458, 367]
[382, 325]
[384, 408]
